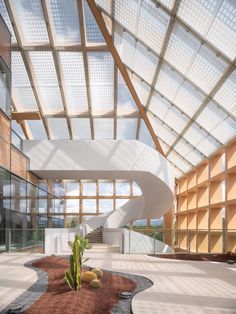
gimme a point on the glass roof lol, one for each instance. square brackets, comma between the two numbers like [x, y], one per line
[180, 56]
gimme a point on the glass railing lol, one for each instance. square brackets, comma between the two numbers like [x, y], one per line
[22, 240]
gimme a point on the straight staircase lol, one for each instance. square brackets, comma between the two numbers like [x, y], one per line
[95, 236]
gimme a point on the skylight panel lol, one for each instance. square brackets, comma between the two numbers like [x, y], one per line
[101, 68]
[189, 99]
[125, 102]
[102, 99]
[126, 128]
[19, 74]
[207, 69]
[142, 89]
[37, 129]
[93, 33]
[164, 146]
[76, 99]
[50, 99]
[182, 48]
[207, 146]
[198, 14]
[125, 45]
[24, 99]
[168, 82]
[81, 128]
[183, 148]
[105, 5]
[226, 95]
[58, 128]
[64, 21]
[176, 120]
[169, 4]
[225, 131]
[194, 134]
[152, 26]
[145, 63]
[72, 67]
[178, 173]
[144, 135]
[194, 157]
[162, 131]
[5, 16]
[210, 117]
[126, 12]
[30, 21]
[103, 127]
[179, 162]
[159, 106]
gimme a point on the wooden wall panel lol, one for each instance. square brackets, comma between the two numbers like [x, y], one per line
[5, 128]
[19, 163]
[4, 154]
[5, 43]
[32, 178]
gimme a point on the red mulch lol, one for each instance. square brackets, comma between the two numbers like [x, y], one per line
[198, 257]
[60, 299]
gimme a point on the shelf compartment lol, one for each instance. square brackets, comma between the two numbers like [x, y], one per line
[202, 242]
[202, 219]
[192, 179]
[192, 221]
[183, 240]
[216, 243]
[192, 242]
[231, 242]
[217, 191]
[231, 155]
[202, 196]
[217, 164]
[182, 203]
[192, 200]
[182, 185]
[202, 173]
[231, 217]
[182, 221]
[215, 219]
[231, 186]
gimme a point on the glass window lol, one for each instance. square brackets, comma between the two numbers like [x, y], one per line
[72, 221]
[89, 188]
[18, 194]
[105, 205]
[89, 206]
[72, 188]
[72, 206]
[105, 188]
[136, 189]
[32, 199]
[122, 187]
[43, 202]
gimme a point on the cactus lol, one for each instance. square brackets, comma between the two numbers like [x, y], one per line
[88, 276]
[98, 272]
[96, 284]
[73, 274]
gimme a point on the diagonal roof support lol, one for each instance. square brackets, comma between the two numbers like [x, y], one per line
[101, 24]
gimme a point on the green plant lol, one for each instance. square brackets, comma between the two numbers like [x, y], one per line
[96, 284]
[88, 276]
[84, 244]
[73, 274]
[98, 272]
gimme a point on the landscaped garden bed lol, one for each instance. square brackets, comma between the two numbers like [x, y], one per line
[59, 298]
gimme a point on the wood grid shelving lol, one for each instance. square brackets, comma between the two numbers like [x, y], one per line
[206, 204]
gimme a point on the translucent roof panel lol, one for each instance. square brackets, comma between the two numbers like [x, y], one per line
[101, 77]
[126, 12]
[159, 106]
[127, 128]
[64, 21]
[73, 76]
[4, 14]
[214, 20]
[81, 128]
[165, 147]
[194, 134]
[46, 81]
[156, 20]
[207, 69]
[207, 146]
[58, 128]
[189, 98]
[93, 34]
[188, 152]
[125, 45]
[225, 131]
[105, 5]
[142, 89]
[168, 82]
[103, 127]
[182, 48]
[226, 95]
[125, 102]
[22, 93]
[211, 117]
[30, 21]
[144, 135]
[182, 164]
[169, 4]
[162, 131]
[37, 129]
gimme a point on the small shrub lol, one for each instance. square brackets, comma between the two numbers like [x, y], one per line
[98, 272]
[88, 276]
[96, 284]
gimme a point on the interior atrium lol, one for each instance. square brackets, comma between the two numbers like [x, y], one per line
[118, 123]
